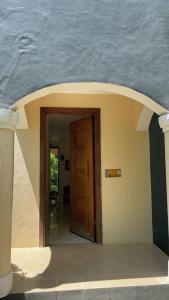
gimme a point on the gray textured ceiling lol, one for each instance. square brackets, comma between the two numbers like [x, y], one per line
[117, 41]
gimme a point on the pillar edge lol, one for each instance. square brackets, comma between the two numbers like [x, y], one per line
[164, 122]
[6, 282]
[8, 119]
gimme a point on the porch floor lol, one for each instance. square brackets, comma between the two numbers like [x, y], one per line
[87, 266]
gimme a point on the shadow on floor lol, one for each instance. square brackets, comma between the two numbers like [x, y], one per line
[76, 264]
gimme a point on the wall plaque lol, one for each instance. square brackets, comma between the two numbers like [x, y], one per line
[113, 173]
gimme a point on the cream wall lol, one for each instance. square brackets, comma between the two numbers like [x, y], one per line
[25, 218]
[126, 201]
[6, 180]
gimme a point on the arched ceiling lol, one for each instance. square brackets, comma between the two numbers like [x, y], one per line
[125, 42]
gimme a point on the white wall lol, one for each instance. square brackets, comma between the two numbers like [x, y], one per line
[126, 201]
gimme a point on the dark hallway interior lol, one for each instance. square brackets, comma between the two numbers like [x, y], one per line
[158, 185]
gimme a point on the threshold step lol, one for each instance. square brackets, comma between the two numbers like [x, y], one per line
[148, 292]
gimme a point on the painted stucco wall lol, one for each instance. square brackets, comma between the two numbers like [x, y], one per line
[117, 41]
[126, 201]
[6, 182]
[25, 217]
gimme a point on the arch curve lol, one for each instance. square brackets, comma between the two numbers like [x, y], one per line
[150, 106]
[144, 119]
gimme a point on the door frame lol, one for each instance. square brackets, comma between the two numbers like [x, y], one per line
[95, 113]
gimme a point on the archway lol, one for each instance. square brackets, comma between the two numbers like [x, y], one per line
[48, 95]
[150, 106]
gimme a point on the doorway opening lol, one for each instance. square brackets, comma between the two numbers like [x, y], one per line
[158, 185]
[53, 184]
[70, 205]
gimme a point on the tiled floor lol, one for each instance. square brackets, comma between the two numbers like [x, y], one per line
[87, 267]
[60, 234]
[156, 292]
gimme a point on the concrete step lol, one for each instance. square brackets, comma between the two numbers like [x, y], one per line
[154, 292]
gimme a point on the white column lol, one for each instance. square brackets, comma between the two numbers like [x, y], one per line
[8, 121]
[164, 124]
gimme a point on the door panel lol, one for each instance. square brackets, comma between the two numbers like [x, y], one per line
[82, 178]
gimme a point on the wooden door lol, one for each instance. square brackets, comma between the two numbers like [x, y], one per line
[82, 178]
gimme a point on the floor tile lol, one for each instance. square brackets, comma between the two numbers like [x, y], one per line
[127, 293]
[97, 294]
[34, 285]
[91, 265]
[32, 296]
[69, 284]
[41, 296]
[60, 233]
[15, 297]
[160, 292]
[70, 295]
[96, 284]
